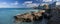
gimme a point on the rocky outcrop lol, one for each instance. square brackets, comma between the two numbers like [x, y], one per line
[28, 17]
[55, 19]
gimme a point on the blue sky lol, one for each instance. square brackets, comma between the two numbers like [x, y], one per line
[22, 3]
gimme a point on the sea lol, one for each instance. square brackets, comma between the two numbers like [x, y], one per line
[7, 15]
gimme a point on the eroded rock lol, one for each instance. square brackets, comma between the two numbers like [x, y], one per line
[28, 17]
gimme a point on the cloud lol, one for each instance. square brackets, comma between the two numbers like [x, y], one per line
[3, 5]
[47, 0]
[30, 4]
[9, 5]
[58, 3]
[15, 3]
[57, 0]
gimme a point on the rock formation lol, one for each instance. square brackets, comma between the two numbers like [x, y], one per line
[55, 19]
[28, 17]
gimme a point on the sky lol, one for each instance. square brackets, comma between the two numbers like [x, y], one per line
[22, 3]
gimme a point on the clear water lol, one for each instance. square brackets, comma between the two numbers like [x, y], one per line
[7, 14]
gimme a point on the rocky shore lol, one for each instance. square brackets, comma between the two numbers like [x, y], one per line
[55, 19]
[29, 17]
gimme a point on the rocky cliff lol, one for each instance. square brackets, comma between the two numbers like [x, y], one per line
[55, 19]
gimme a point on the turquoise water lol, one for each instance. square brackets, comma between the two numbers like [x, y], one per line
[6, 14]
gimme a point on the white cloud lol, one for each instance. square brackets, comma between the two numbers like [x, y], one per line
[57, 0]
[30, 4]
[15, 3]
[47, 0]
[4, 5]
[4, 2]
[58, 3]
[9, 5]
